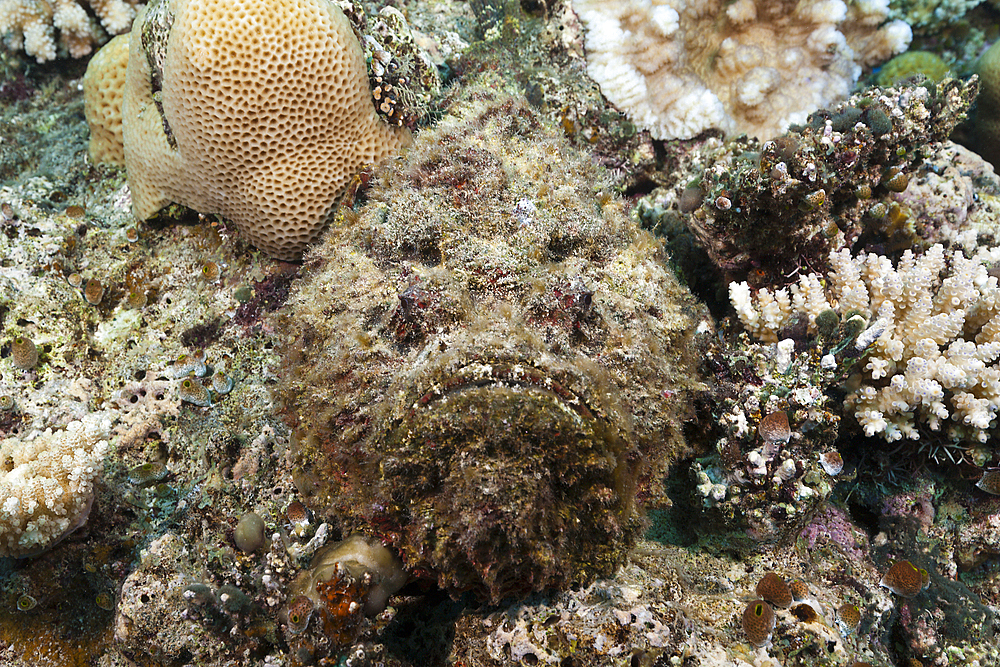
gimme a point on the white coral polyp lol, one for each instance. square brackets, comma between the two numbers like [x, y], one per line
[43, 27]
[47, 483]
[931, 354]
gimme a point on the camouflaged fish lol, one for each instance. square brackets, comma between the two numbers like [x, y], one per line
[487, 361]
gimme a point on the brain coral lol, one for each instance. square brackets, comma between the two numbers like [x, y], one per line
[680, 67]
[47, 484]
[33, 24]
[259, 111]
[482, 365]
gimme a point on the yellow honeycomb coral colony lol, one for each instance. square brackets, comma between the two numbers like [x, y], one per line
[259, 111]
[102, 91]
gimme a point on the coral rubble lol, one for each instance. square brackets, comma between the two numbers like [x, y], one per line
[768, 210]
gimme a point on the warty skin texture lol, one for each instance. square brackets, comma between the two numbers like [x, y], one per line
[484, 362]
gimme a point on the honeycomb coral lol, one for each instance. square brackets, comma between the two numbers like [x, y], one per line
[680, 67]
[258, 111]
[47, 484]
[33, 24]
[482, 368]
[103, 85]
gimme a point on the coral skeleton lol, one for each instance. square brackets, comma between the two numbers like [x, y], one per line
[680, 67]
[927, 359]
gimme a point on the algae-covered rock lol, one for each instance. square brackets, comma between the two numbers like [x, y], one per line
[486, 363]
[768, 210]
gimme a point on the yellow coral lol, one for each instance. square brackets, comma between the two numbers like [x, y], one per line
[264, 116]
[910, 64]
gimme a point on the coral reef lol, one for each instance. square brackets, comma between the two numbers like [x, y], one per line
[184, 119]
[768, 479]
[48, 28]
[681, 67]
[504, 309]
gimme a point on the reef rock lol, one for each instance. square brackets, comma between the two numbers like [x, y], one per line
[486, 363]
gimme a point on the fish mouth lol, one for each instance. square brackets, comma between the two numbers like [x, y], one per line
[501, 374]
[494, 421]
[502, 480]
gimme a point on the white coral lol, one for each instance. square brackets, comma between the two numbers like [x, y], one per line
[680, 67]
[931, 349]
[41, 27]
[47, 484]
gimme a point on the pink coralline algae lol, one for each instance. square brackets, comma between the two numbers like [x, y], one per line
[831, 526]
[915, 506]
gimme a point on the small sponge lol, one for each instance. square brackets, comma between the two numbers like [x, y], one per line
[102, 98]
[258, 110]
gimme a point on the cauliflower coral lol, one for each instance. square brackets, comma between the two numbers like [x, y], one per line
[928, 357]
[47, 484]
[42, 27]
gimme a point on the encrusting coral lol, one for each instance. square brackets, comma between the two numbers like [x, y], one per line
[43, 27]
[680, 67]
[47, 484]
[263, 121]
[927, 333]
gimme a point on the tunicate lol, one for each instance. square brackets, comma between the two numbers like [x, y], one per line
[249, 533]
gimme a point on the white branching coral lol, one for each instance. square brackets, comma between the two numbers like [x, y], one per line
[41, 27]
[47, 484]
[928, 357]
[680, 67]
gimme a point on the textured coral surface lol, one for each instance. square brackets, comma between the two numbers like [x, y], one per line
[680, 67]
